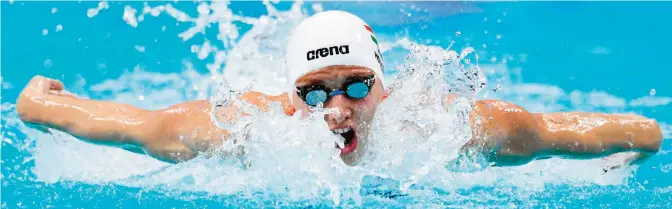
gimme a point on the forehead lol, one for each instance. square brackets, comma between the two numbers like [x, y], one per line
[332, 73]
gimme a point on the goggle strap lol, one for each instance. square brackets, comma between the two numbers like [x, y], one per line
[337, 92]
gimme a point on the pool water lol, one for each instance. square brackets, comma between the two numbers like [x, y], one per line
[545, 56]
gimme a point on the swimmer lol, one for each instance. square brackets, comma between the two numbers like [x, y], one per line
[333, 59]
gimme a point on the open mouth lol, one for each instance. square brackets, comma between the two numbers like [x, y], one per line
[349, 140]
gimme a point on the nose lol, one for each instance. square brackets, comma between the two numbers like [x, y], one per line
[343, 105]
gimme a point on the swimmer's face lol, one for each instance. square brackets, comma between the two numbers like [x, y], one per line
[354, 121]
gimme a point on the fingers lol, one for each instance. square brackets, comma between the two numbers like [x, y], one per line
[287, 106]
[47, 85]
[55, 84]
[61, 93]
[289, 109]
[66, 94]
[51, 84]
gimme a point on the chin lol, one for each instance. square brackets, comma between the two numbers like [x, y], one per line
[354, 158]
[351, 159]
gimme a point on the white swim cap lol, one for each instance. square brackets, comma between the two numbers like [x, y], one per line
[332, 38]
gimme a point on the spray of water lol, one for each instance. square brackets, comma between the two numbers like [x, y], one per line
[416, 133]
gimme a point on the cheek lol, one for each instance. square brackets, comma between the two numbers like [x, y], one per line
[366, 103]
[305, 111]
[370, 102]
[366, 108]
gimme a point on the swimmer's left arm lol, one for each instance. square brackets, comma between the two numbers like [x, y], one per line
[513, 136]
[581, 134]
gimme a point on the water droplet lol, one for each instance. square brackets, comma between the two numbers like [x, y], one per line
[499, 20]
[53, 10]
[141, 97]
[139, 48]
[485, 32]
[499, 36]
[499, 86]
[458, 33]
[91, 12]
[485, 19]
[48, 63]
[45, 32]
[59, 27]
[652, 92]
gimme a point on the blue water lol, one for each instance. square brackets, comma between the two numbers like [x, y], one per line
[620, 49]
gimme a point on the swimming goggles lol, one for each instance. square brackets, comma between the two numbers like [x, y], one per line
[353, 88]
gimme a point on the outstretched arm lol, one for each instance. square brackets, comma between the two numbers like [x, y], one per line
[173, 134]
[43, 103]
[580, 133]
[510, 135]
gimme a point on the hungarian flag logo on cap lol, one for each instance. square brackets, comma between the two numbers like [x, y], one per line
[373, 38]
[377, 54]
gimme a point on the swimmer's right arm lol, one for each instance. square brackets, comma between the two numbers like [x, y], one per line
[43, 103]
[174, 134]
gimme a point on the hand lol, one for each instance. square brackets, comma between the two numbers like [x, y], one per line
[287, 106]
[33, 96]
[40, 86]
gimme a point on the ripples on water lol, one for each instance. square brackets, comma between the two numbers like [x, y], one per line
[414, 136]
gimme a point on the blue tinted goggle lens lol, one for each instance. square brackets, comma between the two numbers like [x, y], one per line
[356, 90]
[314, 97]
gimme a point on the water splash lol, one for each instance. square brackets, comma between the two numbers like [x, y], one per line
[414, 134]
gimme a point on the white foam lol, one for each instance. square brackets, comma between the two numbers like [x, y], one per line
[411, 146]
[92, 12]
[129, 16]
[650, 101]
[667, 130]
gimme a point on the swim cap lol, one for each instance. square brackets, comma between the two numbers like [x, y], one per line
[332, 38]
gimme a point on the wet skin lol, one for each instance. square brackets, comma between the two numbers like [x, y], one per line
[506, 133]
